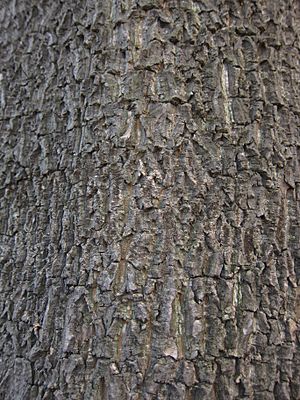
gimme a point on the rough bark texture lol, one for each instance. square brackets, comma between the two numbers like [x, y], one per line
[150, 190]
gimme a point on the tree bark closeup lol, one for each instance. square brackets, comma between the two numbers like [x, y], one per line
[150, 186]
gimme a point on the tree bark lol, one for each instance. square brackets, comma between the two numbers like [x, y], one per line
[150, 189]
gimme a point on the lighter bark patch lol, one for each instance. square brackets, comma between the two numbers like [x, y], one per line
[225, 91]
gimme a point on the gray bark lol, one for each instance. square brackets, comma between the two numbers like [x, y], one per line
[150, 190]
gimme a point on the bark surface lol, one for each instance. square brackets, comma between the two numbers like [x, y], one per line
[150, 189]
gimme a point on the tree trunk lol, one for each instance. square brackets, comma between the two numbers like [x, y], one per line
[149, 199]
